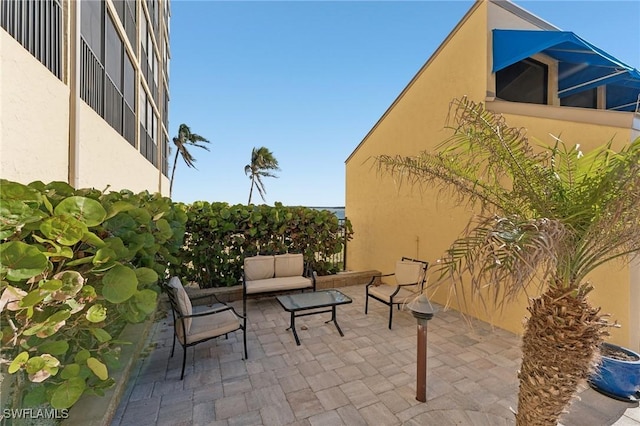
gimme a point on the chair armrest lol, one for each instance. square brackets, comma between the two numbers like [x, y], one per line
[204, 296]
[215, 310]
[407, 285]
[373, 278]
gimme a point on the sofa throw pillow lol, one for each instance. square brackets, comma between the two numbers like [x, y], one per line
[289, 265]
[258, 268]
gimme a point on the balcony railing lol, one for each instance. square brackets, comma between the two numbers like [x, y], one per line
[38, 27]
[91, 79]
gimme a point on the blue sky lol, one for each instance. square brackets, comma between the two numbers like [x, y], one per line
[308, 80]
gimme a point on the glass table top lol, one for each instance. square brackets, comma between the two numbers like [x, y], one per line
[311, 300]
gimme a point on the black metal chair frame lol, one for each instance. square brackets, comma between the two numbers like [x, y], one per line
[177, 315]
[391, 303]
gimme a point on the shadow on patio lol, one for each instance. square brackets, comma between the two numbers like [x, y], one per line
[366, 377]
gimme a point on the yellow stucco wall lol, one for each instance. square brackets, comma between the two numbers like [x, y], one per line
[392, 220]
[34, 117]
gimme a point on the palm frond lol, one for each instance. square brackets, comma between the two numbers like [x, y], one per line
[185, 139]
[262, 162]
[614, 229]
[502, 256]
[260, 186]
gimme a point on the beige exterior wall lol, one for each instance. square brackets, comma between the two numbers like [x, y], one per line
[391, 219]
[37, 122]
[106, 159]
[34, 117]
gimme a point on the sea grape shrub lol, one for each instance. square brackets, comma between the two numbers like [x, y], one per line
[219, 236]
[75, 267]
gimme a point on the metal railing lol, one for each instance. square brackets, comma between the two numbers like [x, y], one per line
[129, 125]
[165, 156]
[38, 27]
[91, 79]
[113, 113]
[103, 96]
[148, 147]
[339, 260]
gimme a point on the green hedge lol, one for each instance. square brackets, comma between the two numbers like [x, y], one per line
[75, 267]
[219, 236]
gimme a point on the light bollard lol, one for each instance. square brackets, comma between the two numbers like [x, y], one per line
[423, 311]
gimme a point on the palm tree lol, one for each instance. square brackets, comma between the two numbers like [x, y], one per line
[182, 141]
[546, 219]
[262, 163]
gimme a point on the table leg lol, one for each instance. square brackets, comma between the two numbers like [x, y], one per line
[293, 328]
[333, 318]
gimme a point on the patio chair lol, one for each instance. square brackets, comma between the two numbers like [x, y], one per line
[196, 326]
[408, 283]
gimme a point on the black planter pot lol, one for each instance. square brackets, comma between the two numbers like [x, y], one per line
[617, 378]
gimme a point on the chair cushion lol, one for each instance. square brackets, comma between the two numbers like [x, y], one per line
[289, 265]
[408, 272]
[213, 325]
[278, 284]
[384, 291]
[184, 303]
[258, 267]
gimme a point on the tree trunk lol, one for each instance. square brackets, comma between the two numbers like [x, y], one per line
[559, 346]
[173, 172]
[250, 190]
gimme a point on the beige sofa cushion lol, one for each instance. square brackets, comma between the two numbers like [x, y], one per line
[289, 265]
[278, 284]
[258, 267]
[404, 295]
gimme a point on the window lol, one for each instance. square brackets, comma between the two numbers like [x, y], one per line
[107, 76]
[148, 128]
[165, 100]
[129, 81]
[585, 99]
[525, 81]
[113, 54]
[148, 60]
[129, 100]
[130, 21]
[109, 71]
[126, 12]
[91, 24]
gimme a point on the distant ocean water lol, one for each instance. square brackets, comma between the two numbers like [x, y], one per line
[338, 211]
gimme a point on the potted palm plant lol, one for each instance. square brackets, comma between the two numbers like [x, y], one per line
[547, 218]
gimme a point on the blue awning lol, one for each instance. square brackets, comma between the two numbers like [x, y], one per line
[581, 65]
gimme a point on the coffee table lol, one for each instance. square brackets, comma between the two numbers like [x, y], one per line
[300, 302]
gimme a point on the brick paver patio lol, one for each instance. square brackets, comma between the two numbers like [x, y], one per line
[366, 377]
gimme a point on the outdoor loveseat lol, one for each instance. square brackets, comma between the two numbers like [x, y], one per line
[274, 274]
